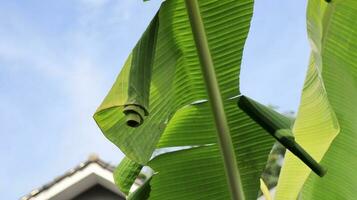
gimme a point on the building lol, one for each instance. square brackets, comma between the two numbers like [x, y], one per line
[90, 180]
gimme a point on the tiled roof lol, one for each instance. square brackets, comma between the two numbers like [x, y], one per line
[92, 159]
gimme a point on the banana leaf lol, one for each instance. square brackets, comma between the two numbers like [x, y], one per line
[175, 76]
[158, 92]
[125, 174]
[197, 172]
[142, 193]
[200, 165]
[327, 122]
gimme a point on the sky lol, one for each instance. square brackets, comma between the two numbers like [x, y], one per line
[58, 59]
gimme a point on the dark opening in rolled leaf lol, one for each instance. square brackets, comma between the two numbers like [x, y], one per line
[134, 115]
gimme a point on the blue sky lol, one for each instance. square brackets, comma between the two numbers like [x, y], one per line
[59, 58]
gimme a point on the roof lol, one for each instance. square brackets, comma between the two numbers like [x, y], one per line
[87, 174]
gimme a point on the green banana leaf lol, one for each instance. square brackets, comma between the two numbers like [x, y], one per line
[125, 174]
[176, 83]
[198, 172]
[199, 163]
[175, 77]
[156, 93]
[142, 193]
[327, 122]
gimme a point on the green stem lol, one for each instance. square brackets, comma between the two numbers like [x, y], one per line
[278, 126]
[215, 100]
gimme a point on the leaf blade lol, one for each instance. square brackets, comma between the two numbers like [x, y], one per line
[125, 174]
[332, 31]
[176, 76]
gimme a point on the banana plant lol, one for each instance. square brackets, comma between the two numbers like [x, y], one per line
[214, 143]
[326, 123]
